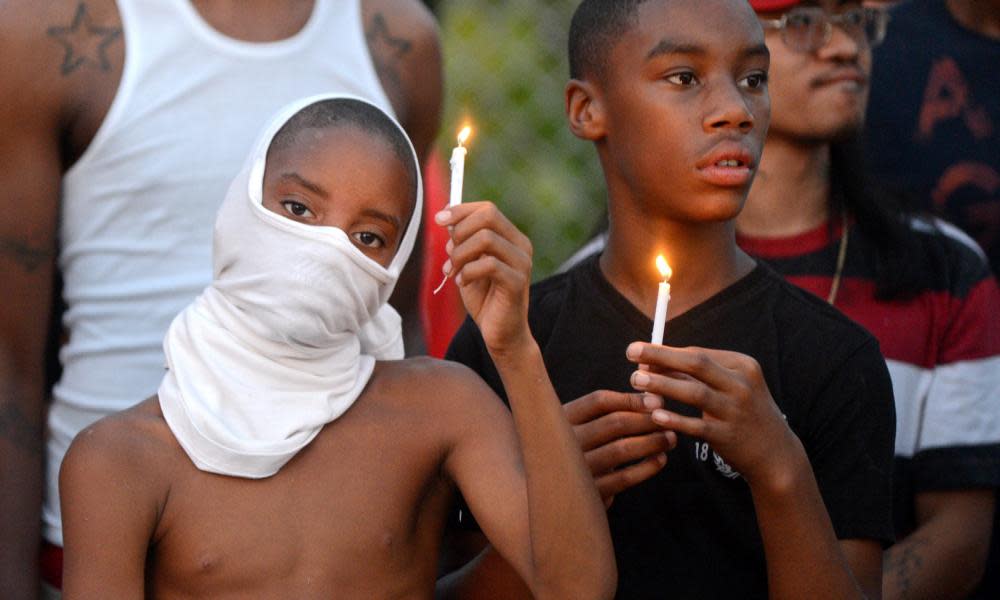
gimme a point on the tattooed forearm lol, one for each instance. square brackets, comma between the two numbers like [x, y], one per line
[387, 52]
[84, 42]
[19, 428]
[29, 257]
[902, 564]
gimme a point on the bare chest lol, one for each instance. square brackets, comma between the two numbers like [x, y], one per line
[360, 507]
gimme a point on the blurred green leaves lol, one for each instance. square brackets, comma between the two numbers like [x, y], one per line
[506, 67]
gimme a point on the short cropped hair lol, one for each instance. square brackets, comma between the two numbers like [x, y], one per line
[596, 27]
[338, 112]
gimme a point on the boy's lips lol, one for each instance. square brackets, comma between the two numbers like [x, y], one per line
[728, 165]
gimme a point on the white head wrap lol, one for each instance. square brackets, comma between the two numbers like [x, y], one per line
[285, 338]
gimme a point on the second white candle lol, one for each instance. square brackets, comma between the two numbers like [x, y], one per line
[662, 301]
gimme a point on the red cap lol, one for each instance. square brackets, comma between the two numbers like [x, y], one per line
[769, 5]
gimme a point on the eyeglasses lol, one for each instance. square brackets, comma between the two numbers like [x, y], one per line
[808, 28]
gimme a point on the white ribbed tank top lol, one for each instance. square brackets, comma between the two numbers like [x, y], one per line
[139, 206]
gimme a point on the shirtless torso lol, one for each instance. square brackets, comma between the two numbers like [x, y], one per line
[57, 84]
[358, 512]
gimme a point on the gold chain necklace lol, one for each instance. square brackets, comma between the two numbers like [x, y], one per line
[841, 257]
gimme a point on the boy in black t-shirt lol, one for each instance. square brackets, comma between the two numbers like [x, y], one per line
[782, 408]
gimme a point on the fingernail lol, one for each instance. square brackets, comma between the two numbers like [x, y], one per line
[651, 401]
[458, 279]
[661, 416]
[634, 350]
[640, 379]
[662, 459]
[446, 267]
[449, 246]
[443, 217]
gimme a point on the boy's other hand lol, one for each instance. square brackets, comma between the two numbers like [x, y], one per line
[491, 262]
[739, 417]
[621, 443]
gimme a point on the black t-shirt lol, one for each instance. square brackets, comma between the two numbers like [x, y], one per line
[691, 531]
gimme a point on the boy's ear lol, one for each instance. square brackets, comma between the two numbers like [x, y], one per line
[585, 110]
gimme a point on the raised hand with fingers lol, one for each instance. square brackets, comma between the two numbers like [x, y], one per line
[491, 262]
[566, 525]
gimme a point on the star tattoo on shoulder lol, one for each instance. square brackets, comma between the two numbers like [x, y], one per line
[84, 42]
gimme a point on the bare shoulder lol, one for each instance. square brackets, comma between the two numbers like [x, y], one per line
[439, 387]
[43, 43]
[60, 65]
[404, 43]
[412, 17]
[134, 445]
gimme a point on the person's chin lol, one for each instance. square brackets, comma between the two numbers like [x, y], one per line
[847, 126]
[718, 205]
[837, 125]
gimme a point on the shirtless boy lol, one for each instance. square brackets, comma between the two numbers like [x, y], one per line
[321, 471]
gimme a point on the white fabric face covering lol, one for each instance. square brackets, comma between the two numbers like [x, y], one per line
[285, 338]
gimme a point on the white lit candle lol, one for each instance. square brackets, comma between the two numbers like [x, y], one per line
[458, 167]
[662, 300]
[457, 163]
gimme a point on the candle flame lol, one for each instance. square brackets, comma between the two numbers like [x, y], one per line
[664, 268]
[463, 136]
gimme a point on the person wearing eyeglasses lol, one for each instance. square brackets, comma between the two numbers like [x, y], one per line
[919, 285]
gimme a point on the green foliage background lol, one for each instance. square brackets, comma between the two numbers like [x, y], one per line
[505, 69]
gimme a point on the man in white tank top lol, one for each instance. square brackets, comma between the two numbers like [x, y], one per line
[122, 123]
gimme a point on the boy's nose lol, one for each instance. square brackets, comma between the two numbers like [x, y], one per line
[842, 46]
[731, 111]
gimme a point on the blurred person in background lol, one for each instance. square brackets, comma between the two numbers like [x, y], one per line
[933, 124]
[920, 286]
[933, 129]
[123, 123]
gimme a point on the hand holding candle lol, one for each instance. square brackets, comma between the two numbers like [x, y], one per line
[662, 300]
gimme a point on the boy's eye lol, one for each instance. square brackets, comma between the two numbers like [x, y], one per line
[686, 78]
[369, 239]
[297, 208]
[755, 80]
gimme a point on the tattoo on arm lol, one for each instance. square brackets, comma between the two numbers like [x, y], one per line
[84, 42]
[28, 256]
[20, 429]
[387, 52]
[903, 563]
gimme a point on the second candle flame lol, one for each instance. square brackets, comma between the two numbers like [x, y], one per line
[664, 268]
[463, 136]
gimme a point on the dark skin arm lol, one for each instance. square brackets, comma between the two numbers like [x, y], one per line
[405, 48]
[945, 556]
[112, 495]
[622, 447]
[742, 423]
[32, 92]
[566, 551]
